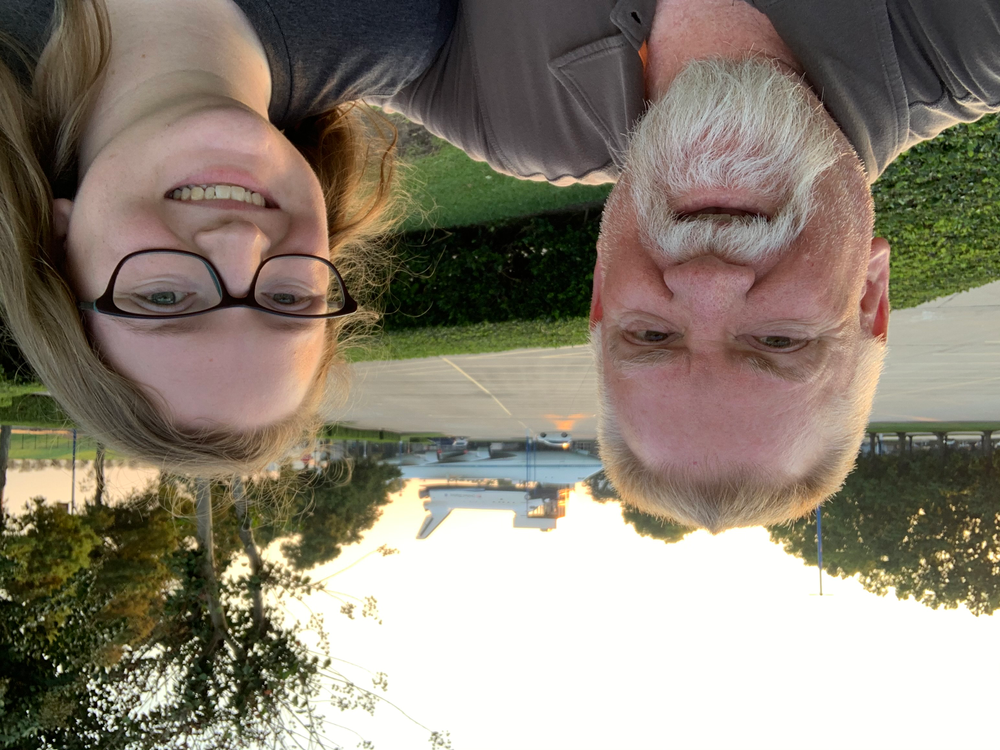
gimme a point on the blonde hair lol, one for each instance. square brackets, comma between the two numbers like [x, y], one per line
[351, 150]
[747, 496]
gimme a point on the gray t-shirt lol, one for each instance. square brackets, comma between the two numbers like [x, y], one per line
[321, 52]
[549, 90]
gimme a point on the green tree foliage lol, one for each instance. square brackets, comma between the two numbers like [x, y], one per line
[601, 488]
[48, 546]
[653, 527]
[138, 538]
[939, 205]
[925, 526]
[151, 635]
[328, 510]
[75, 591]
[50, 649]
[644, 524]
[528, 269]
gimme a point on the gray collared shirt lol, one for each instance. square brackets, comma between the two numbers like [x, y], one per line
[539, 89]
[549, 89]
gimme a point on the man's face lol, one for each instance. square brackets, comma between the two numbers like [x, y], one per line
[736, 274]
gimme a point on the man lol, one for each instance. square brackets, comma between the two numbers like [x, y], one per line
[740, 304]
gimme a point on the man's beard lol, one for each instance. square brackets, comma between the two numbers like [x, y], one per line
[735, 128]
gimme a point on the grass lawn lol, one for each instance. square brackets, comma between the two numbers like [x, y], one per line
[938, 204]
[451, 190]
[10, 391]
[478, 338]
[46, 447]
[345, 432]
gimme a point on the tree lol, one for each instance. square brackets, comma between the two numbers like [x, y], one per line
[76, 592]
[644, 524]
[211, 663]
[4, 456]
[653, 527]
[923, 526]
[99, 475]
[51, 636]
[328, 510]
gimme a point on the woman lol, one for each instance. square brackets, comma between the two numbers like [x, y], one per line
[216, 134]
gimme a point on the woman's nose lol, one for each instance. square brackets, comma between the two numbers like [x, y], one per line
[236, 248]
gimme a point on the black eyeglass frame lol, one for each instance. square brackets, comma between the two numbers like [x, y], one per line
[105, 304]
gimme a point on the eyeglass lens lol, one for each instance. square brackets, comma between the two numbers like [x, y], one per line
[167, 283]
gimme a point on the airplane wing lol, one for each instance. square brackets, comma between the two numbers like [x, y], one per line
[432, 522]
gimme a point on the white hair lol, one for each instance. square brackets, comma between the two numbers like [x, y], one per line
[746, 495]
[738, 126]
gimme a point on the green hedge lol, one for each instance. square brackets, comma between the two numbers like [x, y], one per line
[938, 204]
[535, 268]
[33, 411]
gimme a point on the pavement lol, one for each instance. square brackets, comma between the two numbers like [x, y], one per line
[943, 364]
[944, 360]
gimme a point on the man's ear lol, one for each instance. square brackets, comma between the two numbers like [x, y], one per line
[875, 300]
[62, 210]
[596, 310]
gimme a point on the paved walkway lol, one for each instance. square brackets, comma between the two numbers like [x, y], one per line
[943, 364]
[944, 360]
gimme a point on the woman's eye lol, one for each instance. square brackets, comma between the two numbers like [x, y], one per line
[297, 302]
[777, 342]
[165, 298]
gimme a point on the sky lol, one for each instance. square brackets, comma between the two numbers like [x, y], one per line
[590, 636]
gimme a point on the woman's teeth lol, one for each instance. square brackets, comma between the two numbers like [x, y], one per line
[217, 192]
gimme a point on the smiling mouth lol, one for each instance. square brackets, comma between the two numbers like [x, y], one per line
[219, 192]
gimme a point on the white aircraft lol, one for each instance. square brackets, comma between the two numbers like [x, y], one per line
[534, 508]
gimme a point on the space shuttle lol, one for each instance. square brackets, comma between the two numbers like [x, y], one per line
[537, 507]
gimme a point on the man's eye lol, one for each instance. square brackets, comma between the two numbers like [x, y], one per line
[650, 337]
[777, 342]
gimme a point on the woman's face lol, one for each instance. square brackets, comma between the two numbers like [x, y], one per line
[238, 367]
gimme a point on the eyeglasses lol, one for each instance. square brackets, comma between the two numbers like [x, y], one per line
[176, 284]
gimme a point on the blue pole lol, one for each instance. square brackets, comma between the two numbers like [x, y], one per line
[819, 546]
[527, 457]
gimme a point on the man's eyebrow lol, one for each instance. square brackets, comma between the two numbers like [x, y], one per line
[799, 372]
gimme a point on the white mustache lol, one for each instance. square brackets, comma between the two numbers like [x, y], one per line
[726, 125]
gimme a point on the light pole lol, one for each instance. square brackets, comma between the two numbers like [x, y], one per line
[819, 545]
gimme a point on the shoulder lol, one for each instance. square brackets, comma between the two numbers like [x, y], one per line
[539, 90]
[895, 72]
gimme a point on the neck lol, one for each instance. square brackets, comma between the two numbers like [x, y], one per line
[685, 30]
[185, 53]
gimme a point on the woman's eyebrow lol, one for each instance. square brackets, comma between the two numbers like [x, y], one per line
[196, 323]
[164, 327]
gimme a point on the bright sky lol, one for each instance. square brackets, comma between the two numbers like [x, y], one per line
[593, 637]
[590, 636]
[55, 484]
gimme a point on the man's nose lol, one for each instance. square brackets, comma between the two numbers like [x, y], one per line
[707, 284]
[236, 249]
